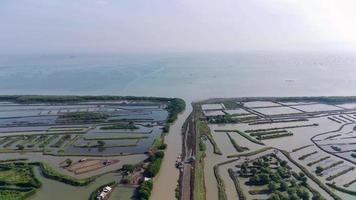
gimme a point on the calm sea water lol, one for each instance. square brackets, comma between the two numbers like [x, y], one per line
[192, 76]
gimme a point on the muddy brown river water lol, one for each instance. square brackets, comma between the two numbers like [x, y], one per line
[165, 182]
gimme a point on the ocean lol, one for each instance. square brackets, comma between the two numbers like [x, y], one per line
[191, 76]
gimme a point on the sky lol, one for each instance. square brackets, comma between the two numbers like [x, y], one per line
[126, 26]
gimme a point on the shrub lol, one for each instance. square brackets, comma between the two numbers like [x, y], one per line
[319, 170]
[128, 168]
[175, 107]
[162, 146]
[144, 191]
[202, 146]
[159, 154]
[154, 167]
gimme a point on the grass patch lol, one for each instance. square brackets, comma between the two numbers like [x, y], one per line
[199, 184]
[17, 181]
[158, 143]
[18, 175]
[204, 129]
[15, 194]
[50, 173]
[200, 147]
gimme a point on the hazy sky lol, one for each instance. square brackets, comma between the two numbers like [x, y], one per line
[50, 26]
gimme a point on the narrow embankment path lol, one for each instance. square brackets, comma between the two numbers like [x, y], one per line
[166, 181]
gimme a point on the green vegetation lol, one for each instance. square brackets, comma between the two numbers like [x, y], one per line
[307, 155]
[204, 129]
[175, 107]
[12, 141]
[279, 135]
[344, 190]
[331, 177]
[61, 141]
[220, 181]
[47, 141]
[128, 168]
[145, 189]
[4, 140]
[91, 145]
[199, 184]
[237, 146]
[97, 191]
[17, 181]
[302, 147]
[130, 126]
[155, 165]
[221, 185]
[317, 161]
[165, 128]
[118, 138]
[176, 191]
[49, 172]
[271, 171]
[262, 133]
[13, 160]
[222, 119]
[349, 183]
[84, 117]
[243, 135]
[312, 177]
[335, 148]
[28, 99]
[20, 175]
[202, 146]
[279, 128]
[332, 136]
[250, 153]
[16, 193]
[238, 188]
[320, 169]
[158, 144]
